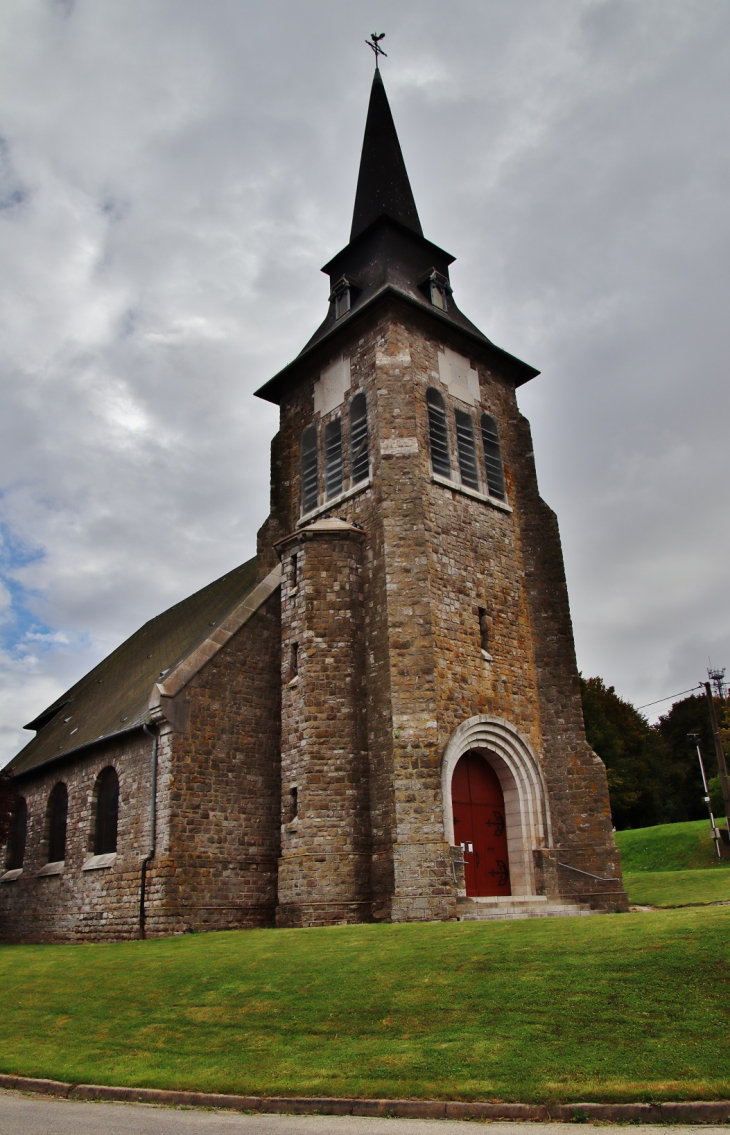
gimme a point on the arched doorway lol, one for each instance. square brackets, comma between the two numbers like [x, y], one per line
[479, 826]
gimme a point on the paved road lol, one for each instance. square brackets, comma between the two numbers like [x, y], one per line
[33, 1115]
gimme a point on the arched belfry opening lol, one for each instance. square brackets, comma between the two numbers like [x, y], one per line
[490, 774]
[480, 828]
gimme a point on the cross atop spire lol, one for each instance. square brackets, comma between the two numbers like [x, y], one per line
[383, 188]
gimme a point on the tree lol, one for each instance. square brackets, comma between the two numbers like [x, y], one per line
[684, 780]
[634, 755]
[653, 772]
[715, 785]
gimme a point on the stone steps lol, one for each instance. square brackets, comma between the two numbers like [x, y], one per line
[517, 906]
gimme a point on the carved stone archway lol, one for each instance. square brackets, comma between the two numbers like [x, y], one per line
[527, 813]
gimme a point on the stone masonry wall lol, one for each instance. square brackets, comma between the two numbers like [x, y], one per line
[78, 905]
[324, 870]
[217, 814]
[433, 556]
[218, 869]
[576, 776]
[364, 508]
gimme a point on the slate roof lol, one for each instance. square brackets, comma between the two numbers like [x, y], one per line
[383, 188]
[387, 253]
[113, 697]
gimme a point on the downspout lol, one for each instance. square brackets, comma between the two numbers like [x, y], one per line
[153, 828]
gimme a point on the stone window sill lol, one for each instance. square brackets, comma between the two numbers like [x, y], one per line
[334, 501]
[294, 682]
[11, 876]
[487, 656]
[97, 862]
[55, 868]
[467, 492]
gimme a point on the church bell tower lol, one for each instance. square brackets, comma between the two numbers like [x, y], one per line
[434, 760]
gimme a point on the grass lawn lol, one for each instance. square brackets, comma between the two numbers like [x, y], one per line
[677, 888]
[670, 847]
[673, 865]
[612, 1007]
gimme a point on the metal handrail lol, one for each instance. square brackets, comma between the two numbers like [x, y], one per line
[454, 862]
[601, 878]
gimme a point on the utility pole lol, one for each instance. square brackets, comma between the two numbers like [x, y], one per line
[720, 753]
[695, 737]
[717, 678]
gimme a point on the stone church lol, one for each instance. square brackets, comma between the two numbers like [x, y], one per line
[378, 717]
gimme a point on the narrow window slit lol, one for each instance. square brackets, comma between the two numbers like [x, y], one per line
[483, 630]
[107, 812]
[57, 819]
[18, 834]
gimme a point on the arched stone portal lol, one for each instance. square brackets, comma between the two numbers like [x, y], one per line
[527, 815]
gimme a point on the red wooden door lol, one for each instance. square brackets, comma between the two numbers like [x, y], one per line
[479, 826]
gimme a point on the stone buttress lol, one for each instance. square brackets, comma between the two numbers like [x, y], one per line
[324, 869]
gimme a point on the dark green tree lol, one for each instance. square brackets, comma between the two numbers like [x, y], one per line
[684, 780]
[634, 755]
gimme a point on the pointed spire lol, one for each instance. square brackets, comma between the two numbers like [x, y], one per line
[383, 188]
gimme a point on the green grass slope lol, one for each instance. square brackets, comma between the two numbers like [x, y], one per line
[677, 888]
[614, 1007]
[673, 865]
[669, 847]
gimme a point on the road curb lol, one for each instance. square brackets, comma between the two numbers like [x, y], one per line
[695, 1111]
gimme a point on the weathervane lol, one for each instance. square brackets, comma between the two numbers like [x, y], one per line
[374, 44]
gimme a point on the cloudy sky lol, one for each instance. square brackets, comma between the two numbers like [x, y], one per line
[173, 174]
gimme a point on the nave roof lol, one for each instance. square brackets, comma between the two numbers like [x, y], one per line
[114, 697]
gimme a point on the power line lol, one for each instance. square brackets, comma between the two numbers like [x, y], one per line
[669, 697]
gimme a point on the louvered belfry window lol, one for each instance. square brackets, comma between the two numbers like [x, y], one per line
[18, 832]
[492, 457]
[438, 434]
[333, 458]
[310, 470]
[359, 442]
[467, 449]
[57, 817]
[107, 812]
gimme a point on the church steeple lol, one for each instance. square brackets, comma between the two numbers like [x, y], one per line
[383, 188]
[387, 258]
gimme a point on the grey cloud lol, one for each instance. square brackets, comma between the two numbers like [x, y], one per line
[191, 168]
[12, 191]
